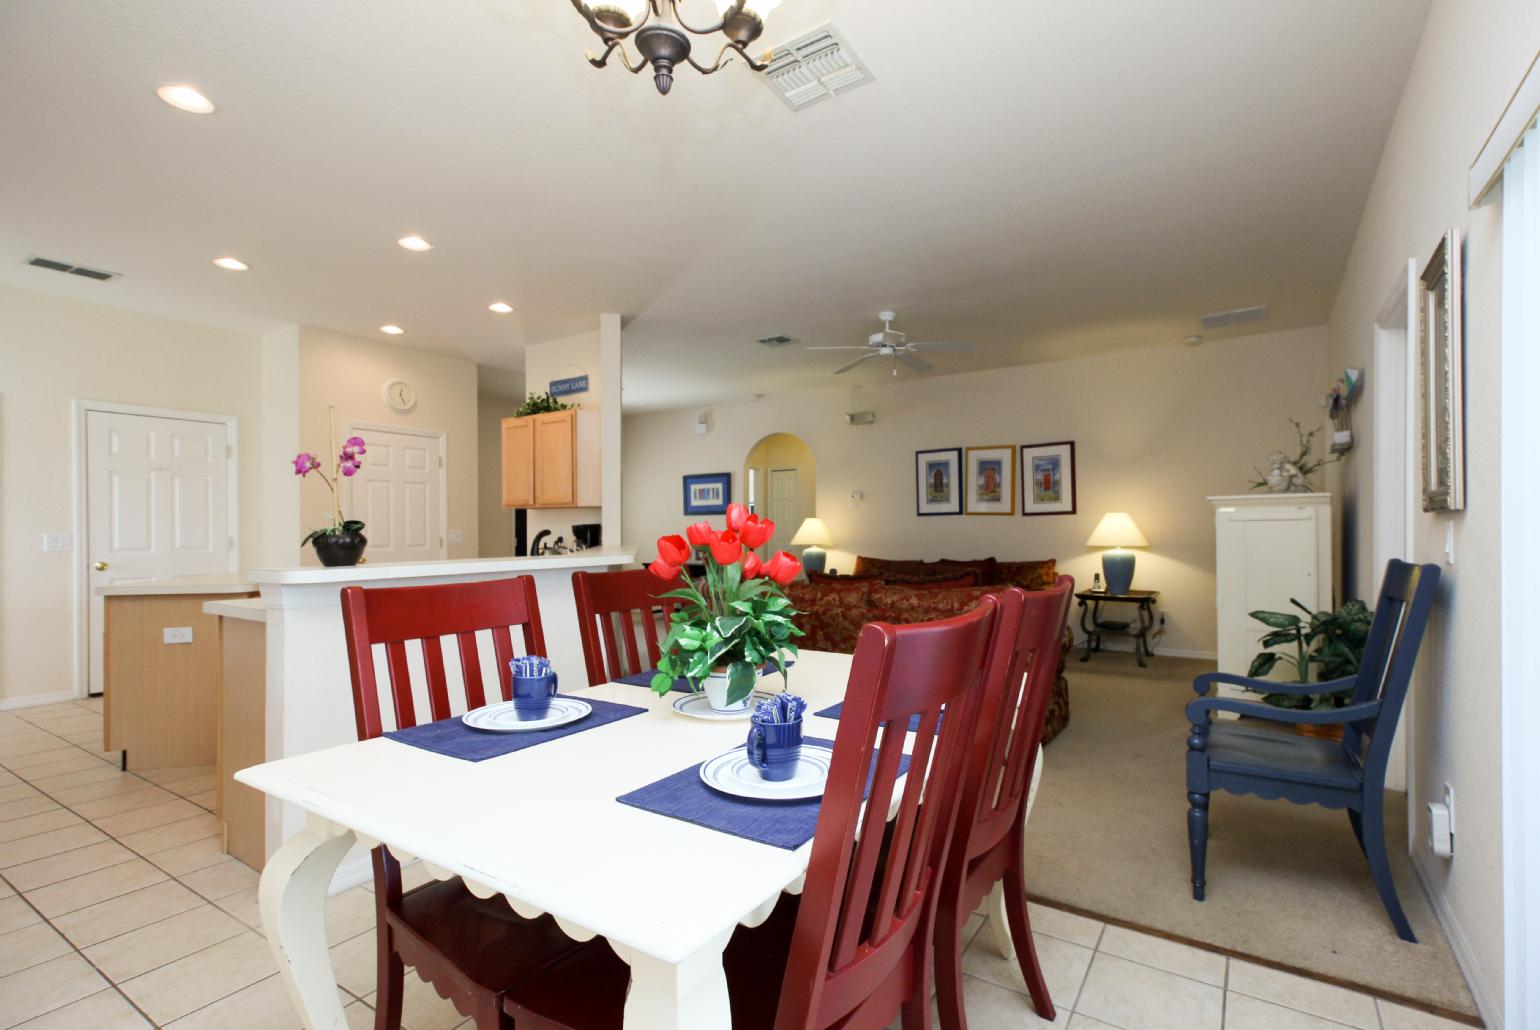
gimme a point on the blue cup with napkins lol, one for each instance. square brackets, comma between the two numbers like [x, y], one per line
[774, 743]
[534, 684]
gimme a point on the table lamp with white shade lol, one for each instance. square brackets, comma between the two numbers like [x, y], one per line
[814, 536]
[1117, 531]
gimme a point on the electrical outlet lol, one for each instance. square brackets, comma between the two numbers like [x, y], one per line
[176, 635]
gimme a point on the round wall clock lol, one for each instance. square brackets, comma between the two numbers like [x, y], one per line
[400, 395]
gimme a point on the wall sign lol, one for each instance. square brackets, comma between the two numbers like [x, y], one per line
[565, 387]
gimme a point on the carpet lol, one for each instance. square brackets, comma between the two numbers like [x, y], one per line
[1287, 884]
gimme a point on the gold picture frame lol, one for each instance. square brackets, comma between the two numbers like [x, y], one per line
[1441, 378]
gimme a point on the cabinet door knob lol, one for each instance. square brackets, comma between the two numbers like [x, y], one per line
[100, 566]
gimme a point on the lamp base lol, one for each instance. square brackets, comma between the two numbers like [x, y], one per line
[1118, 568]
[814, 559]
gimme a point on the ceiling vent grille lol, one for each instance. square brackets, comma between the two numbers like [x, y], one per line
[813, 67]
[778, 340]
[1237, 316]
[81, 270]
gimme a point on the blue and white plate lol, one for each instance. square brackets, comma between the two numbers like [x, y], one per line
[502, 718]
[733, 773]
[697, 707]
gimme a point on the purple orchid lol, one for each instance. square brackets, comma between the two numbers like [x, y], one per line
[305, 462]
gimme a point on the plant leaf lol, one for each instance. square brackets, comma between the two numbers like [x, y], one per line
[1262, 664]
[740, 681]
[1277, 620]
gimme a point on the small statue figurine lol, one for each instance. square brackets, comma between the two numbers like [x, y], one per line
[1287, 474]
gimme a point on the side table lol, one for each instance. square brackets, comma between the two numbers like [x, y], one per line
[1093, 625]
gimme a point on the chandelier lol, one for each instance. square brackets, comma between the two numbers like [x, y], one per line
[662, 37]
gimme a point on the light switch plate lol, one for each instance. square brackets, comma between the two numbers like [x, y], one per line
[176, 635]
[454, 536]
[57, 542]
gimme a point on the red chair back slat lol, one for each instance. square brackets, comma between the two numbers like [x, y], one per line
[607, 598]
[863, 934]
[395, 616]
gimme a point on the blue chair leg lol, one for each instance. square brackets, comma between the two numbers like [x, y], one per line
[1357, 819]
[1197, 840]
[1373, 841]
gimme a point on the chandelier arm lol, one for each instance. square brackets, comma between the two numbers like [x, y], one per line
[723, 57]
[606, 32]
[727, 16]
[603, 59]
[758, 66]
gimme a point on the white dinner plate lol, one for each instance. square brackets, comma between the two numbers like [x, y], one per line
[733, 773]
[697, 707]
[502, 718]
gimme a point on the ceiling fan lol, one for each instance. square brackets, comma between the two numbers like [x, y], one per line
[890, 343]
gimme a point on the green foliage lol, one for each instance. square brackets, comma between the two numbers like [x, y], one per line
[1304, 458]
[737, 624]
[1332, 643]
[347, 526]
[539, 404]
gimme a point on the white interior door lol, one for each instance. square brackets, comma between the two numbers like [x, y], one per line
[784, 508]
[399, 495]
[157, 506]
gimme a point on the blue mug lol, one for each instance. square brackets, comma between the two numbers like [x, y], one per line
[532, 695]
[774, 748]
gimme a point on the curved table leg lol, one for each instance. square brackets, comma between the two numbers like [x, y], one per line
[689, 996]
[292, 897]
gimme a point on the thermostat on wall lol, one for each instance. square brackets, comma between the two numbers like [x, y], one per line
[400, 395]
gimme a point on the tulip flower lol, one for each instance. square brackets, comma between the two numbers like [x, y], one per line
[756, 532]
[752, 566]
[737, 515]
[700, 533]
[726, 548]
[783, 568]
[673, 549]
[663, 570]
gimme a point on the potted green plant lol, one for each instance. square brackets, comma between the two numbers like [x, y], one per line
[341, 541]
[539, 404]
[1328, 643]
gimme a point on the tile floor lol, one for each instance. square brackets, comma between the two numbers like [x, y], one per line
[118, 910]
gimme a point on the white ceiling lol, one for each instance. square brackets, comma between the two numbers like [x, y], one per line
[1044, 178]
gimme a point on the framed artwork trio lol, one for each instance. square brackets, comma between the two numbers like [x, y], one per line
[1036, 479]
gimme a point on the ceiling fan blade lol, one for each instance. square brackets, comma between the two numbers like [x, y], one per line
[918, 364]
[954, 345]
[857, 361]
[863, 347]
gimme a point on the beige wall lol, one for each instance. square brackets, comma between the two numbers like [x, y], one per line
[563, 359]
[783, 451]
[1156, 432]
[53, 351]
[495, 523]
[351, 374]
[1473, 54]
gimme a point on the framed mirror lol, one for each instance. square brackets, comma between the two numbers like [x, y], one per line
[1441, 373]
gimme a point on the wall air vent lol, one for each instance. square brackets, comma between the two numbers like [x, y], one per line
[778, 340]
[1236, 316]
[813, 67]
[64, 266]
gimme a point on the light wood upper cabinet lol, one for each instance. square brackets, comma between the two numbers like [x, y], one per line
[551, 460]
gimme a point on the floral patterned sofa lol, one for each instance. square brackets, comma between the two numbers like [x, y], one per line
[834, 608]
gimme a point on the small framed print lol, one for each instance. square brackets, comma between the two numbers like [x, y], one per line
[991, 486]
[1048, 478]
[707, 494]
[937, 482]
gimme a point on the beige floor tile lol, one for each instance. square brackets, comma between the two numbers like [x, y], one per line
[349, 914]
[171, 775]
[359, 1016]
[15, 913]
[1245, 1013]
[92, 704]
[1181, 959]
[32, 759]
[221, 879]
[102, 885]
[21, 807]
[1083, 1022]
[150, 947]
[199, 979]
[124, 801]
[78, 762]
[9, 779]
[423, 1009]
[45, 987]
[40, 873]
[1399, 1017]
[1064, 966]
[1066, 926]
[243, 906]
[26, 947]
[5, 890]
[18, 792]
[1297, 992]
[111, 785]
[32, 825]
[99, 922]
[1137, 997]
[354, 963]
[184, 858]
[16, 747]
[53, 842]
[151, 815]
[92, 774]
[191, 785]
[265, 1005]
[171, 835]
[104, 1010]
[209, 799]
[992, 1007]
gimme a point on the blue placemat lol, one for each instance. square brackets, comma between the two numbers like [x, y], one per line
[781, 824]
[833, 712]
[682, 685]
[453, 738]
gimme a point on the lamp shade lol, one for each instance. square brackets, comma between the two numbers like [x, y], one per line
[1116, 529]
[812, 533]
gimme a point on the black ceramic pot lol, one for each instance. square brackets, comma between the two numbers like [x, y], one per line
[341, 548]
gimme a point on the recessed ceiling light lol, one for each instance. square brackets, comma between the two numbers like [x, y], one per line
[500, 308]
[393, 330]
[185, 98]
[416, 243]
[231, 264]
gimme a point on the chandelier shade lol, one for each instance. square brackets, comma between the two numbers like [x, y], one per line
[662, 38]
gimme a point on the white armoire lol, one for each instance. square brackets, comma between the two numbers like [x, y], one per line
[1270, 548]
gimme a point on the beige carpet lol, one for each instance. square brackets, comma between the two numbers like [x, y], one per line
[1286, 883]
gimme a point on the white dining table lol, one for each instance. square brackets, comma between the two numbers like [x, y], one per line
[541, 827]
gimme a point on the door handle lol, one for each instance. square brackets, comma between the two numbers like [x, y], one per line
[100, 566]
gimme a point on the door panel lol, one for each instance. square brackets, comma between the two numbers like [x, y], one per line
[784, 508]
[398, 493]
[555, 459]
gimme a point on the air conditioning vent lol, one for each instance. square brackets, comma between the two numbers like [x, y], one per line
[80, 270]
[813, 67]
[779, 340]
[1236, 316]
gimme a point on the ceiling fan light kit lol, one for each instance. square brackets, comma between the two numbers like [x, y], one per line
[890, 343]
[662, 37]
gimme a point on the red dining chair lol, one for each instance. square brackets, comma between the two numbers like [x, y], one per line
[472, 950]
[627, 598]
[855, 949]
[993, 811]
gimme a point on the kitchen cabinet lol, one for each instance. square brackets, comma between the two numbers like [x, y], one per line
[551, 460]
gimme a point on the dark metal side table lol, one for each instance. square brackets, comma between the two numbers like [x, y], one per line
[1093, 625]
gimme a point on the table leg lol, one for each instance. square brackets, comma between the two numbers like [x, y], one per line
[1086, 629]
[689, 996]
[1142, 641]
[292, 898]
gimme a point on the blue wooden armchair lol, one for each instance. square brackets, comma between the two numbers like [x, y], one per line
[1244, 758]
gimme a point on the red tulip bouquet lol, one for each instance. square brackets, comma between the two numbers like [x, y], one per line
[740, 622]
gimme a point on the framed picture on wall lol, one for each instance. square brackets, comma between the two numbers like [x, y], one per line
[937, 482]
[1441, 375]
[990, 487]
[707, 494]
[1048, 478]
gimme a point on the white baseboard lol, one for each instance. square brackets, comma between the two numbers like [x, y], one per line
[34, 700]
[1488, 1004]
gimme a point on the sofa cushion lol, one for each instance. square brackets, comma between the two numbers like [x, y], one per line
[885, 567]
[970, 578]
[1029, 575]
[985, 567]
[901, 605]
[829, 577]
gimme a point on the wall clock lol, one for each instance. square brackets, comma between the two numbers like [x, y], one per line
[400, 395]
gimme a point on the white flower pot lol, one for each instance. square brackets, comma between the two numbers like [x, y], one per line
[716, 694]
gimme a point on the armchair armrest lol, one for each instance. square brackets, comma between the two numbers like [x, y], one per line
[1201, 684]
[1198, 711]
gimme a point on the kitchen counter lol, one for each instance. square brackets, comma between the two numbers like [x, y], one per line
[179, 585]
[247, 609]
[458, 568]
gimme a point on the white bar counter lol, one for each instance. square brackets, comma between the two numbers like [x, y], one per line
[309, 694]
